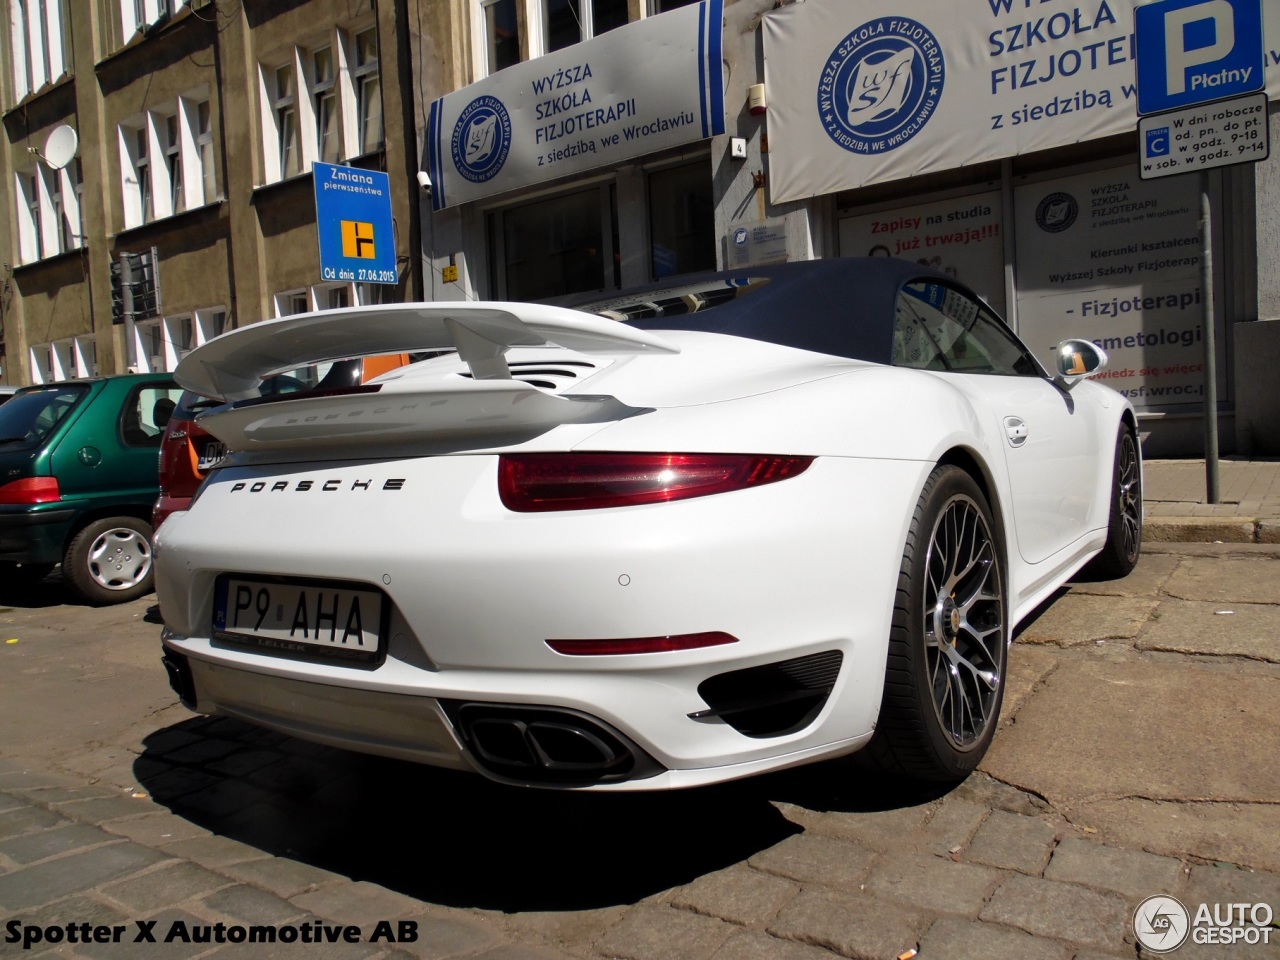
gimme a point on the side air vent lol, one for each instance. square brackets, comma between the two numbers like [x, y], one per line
[773, 699]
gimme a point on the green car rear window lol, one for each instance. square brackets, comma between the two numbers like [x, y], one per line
[27, 419]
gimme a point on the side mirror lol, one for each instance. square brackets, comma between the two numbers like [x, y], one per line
[1076, 360]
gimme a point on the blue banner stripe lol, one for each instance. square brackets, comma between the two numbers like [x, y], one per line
[702, 63]
[715, 71]
[436, 169]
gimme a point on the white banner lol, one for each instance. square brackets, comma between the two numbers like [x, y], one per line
[960, 237]
[1116, 260]
[866, 92]
[654, 85]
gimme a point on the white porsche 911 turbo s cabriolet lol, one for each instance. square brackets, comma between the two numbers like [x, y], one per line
[658, 539]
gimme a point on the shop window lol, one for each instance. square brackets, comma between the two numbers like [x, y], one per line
[681, 221]
[39, 44]
[556, 246]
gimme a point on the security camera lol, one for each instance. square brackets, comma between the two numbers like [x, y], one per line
[424, 181]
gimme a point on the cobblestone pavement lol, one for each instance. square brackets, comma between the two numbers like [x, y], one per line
[1137, 757]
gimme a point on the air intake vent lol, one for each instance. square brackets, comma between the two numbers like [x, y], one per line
[548, 376]
[773, 699]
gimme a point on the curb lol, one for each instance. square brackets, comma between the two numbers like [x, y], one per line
[1210, 530]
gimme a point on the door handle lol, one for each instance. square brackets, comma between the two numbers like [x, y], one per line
[1015, 428]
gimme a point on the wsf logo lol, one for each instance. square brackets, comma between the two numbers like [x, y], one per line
[481, 139]
[881, 85]
[1195, 51]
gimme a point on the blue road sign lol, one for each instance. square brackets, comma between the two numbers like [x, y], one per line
[353, 219]
[1196, 51]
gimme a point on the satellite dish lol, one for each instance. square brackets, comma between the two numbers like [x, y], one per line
[61, 146]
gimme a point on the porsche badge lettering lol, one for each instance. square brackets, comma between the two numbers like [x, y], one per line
[301, 486]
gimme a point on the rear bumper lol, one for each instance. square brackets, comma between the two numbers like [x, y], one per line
[475, 592]
[33, 535]
[428, 730]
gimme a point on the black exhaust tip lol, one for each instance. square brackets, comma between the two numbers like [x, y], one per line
[180, 679]
[547, 745]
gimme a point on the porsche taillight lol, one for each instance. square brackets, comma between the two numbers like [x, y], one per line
[31, 490]
[535, 482]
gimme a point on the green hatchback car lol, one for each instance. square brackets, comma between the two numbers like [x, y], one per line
[78, 479]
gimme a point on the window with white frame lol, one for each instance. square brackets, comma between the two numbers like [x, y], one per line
[149, 347]
[204, 149]
[291, 302]
[570, 21]
[368, 91]
[551, 24]
[662, 6]
[322, 296]
[30, 222]
[38, 29]
[321, 103]
[173, 163]
[209, 324]
[167, 160]
[137, 15]
[135, 167]
[285, 111]
[71, 359]
[48, 211]
[500, 29]
[370, 294]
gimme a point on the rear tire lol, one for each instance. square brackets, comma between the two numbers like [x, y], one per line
[1124, 528]
[110, 560]
[948, 644]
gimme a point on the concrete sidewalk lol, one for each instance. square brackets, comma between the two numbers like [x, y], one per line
[1177, 510]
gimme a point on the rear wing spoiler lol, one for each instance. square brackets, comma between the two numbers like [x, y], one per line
[234, 365]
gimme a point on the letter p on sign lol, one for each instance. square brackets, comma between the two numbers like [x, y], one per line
[1183, 28]
[1196, 51]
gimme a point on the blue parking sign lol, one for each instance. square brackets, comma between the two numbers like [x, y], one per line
[353, 220]
[1197, 51]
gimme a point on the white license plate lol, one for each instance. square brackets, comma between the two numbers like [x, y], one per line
[213, 453]
[300, 618]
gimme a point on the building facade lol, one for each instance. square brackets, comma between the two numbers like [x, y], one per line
[157, 160]
[993, 139]
[538, 148]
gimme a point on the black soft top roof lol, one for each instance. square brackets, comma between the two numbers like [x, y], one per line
[843, 307]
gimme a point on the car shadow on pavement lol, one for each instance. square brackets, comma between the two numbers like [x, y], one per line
[457, 839]
[52, 591]
[447, 837]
